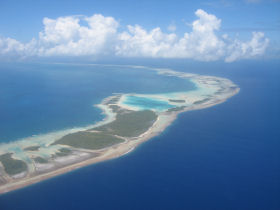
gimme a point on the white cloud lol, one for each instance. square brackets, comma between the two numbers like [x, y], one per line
[138, 42]
[12, 48]
[100, 36]
[255, 47]
[65, 36]
[200, 44]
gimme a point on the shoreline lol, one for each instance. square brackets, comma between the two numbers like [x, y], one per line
[164, 120]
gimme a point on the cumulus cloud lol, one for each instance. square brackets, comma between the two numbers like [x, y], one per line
[65, 36]
[139, 42]
[202, 43]
[255, 47]
[100, 36]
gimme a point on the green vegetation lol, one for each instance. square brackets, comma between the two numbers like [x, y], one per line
[12, 166]
[89, 140]
[177, 101]
[176, 109]
[63, 152]
[32, 148]
[113, 100]
[219, 91]
[130, 124]
[115, 108]
[40, 160]
[201, 101]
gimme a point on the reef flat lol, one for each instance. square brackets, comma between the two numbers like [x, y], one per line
[131, 119]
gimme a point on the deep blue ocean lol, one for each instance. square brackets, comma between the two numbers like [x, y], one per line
[223, 157]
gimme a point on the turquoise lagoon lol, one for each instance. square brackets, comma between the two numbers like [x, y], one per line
[145, 103]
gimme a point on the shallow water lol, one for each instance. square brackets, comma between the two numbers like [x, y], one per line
[145, 103]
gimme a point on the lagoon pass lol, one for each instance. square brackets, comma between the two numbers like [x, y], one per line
[131, 119]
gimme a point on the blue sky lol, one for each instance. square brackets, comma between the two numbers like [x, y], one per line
[23, 20]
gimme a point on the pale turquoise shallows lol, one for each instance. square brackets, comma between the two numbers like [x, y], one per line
[144, 103]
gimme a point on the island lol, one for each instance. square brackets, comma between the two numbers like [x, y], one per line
[130, 119]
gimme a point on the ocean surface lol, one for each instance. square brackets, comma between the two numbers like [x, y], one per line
[223, 157]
